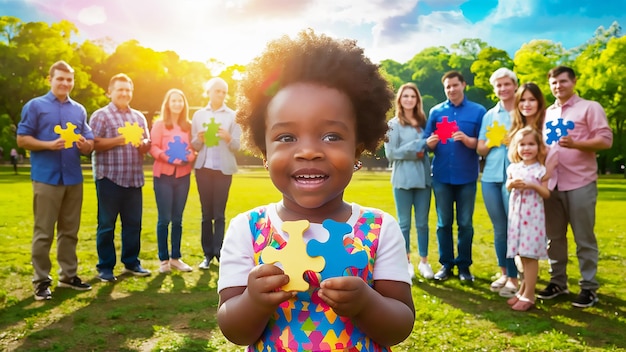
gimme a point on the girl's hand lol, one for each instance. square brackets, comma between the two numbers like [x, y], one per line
[347, 296]
[518, 184]
[264, 283]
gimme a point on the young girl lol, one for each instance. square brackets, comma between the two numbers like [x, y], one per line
[171, 175]
[526, 228]
[410, 175]
[310, 106]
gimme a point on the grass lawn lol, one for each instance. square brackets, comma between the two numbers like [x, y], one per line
[176, 312]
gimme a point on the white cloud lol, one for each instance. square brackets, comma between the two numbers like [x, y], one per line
[92, 15]
[440, 28]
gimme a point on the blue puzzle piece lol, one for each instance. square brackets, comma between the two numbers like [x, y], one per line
[177, 150]
[334, 252]
[557, 130]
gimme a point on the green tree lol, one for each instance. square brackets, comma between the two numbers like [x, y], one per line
[533, 61]
[601, 77]
[488, 60]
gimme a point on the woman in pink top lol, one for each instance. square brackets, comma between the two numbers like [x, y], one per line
[173, 158]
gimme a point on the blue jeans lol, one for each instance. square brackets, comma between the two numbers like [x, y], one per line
[171, 196]
[128, 203]
[213, 187]
[446, 195]
[496, 198]
[406, 201]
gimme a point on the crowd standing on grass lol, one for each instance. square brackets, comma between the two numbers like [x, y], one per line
[405, 149]
[308, 162]
[118, 173]
[573, 185]
[310, 115]
[455, 170]
[57, 177]
[215, 136]
[493, 180]
[173, 158]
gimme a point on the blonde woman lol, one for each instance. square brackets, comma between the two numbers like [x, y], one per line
[173, 158]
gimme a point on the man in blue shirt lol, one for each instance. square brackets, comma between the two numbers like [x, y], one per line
[455, 171]
[54, 128]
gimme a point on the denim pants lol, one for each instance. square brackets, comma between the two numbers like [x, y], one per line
[213, 187]
[496, 198]
[407, 200]
[446, 196]
[114, 200]
[171, 196]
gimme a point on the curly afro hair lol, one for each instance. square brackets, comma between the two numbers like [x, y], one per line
[318, 59]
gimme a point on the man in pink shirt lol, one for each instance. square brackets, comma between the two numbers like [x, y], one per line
[573, 184]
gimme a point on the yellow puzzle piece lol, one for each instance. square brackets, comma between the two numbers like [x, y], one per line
[495, 134]
[68, 134]
[293, 256]
[133, 133]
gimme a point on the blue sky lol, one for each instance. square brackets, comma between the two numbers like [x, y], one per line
[234, 31]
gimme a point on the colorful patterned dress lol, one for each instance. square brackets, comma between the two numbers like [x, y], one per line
[526, 225]
[305, 322]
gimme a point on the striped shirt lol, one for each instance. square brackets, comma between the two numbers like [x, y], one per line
[121, 164]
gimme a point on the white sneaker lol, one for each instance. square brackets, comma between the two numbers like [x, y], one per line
[411, 271]
[165, 267]
[509, 290]
[498, 284]
[425, 270]
[179, 265]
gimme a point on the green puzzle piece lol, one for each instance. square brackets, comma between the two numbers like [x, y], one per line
[210, 135]
[68, 134]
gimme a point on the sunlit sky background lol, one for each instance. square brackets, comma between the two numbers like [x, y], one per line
[234, 31]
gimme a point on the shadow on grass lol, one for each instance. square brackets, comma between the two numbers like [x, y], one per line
[166, 308]
[599, 326]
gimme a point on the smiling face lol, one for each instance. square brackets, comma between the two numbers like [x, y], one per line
[311, 148]
[504, 88]
[528, 149]
[176, 104]
[562, 86]
[217, 94]
[528, 105]
[408, 99]
[121, 93]
[61, 84]
[454, 89]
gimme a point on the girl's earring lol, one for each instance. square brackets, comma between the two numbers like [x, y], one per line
[358, 165]
[266, 165]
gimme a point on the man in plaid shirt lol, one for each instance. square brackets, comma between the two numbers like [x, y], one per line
[118, 170]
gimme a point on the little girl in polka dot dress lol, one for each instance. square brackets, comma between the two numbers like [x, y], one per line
[526, 227]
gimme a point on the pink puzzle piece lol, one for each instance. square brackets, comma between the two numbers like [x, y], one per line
[293, 257]
[445, 129]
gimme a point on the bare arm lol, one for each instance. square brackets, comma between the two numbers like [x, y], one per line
[33, 144]
[244, 312]
[102, 144]
[481, 148]
[385, 313]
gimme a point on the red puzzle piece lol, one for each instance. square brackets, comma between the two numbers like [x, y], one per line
[445, 129]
